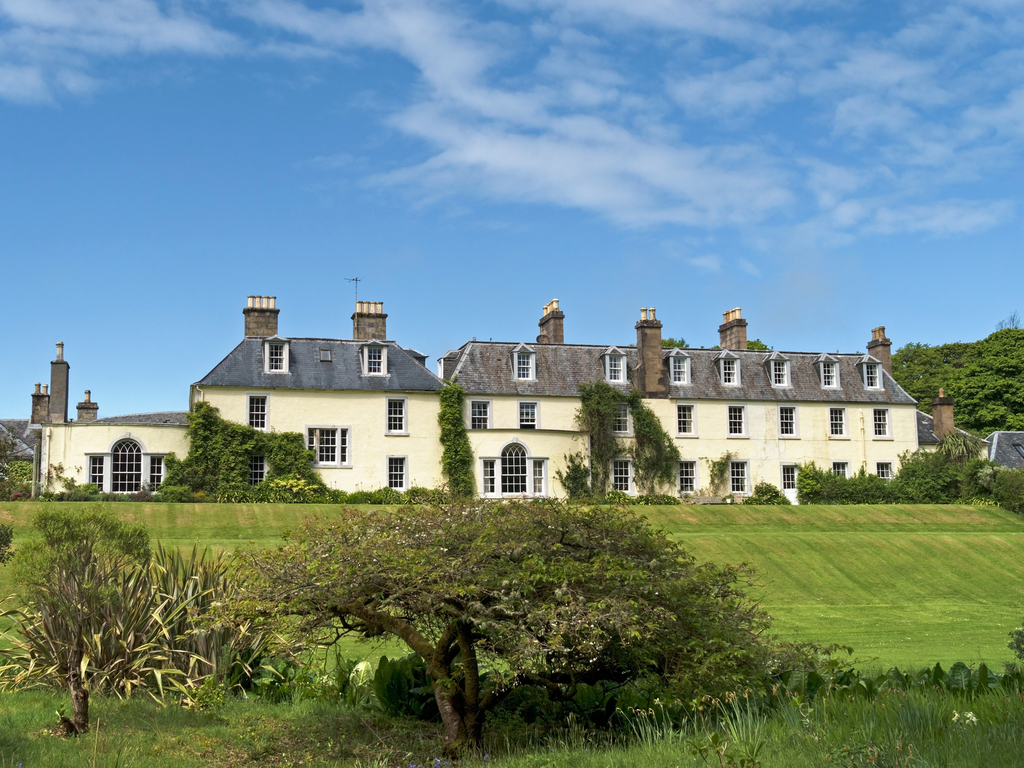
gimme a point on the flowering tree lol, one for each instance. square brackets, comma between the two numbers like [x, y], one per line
[540, 594]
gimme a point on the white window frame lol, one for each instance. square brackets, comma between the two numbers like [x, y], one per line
[785, 374]
[337, 463]
[533, 463]
[696, 476]
[845, 435]
[405, 471]
[536, 414]
[844, 464]
[679, 364]
[796, 422]
[878, 376]
[263, 472]
[266, 410]
[492, 464]
[782, 476]
[837, 384]
[383, 359]
[104, 463]
[728, 416]
[631, 490]
[491, 479]
[693, 420]
[888, 424]
[629, 422]
[148, 469]
[746, 476]
[405, 416]
[608, 369]
[891, 473]
[490, 414]
[532, 365]
[736, 372]
[286, 360]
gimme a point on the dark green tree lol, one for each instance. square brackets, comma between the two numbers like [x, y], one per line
[547, 595]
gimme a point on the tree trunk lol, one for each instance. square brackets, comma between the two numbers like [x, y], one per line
[456, 734]
[79, 722]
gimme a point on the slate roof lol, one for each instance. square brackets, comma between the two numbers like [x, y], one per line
[159, 417]
[243, 367]
[1007, 448]
[926, 430]
[485, 368]
[26, 439]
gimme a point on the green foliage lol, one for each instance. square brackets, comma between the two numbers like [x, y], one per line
[456, 452]
[403, 689]
[655, 455]
[985, 379]
[718, 473]
[599, 406]
[670, 342]
[1008, 490]
[767, 494]
[6, 541]
[620, 498]
[758, 345]
[926, 477]
[217, 464]
[540, 593]
[576, 477]
[656, 500]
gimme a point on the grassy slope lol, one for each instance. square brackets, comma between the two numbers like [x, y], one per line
[909, 585]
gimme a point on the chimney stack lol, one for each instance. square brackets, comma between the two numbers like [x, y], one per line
[942, 414]
[880, 348]
[40, 405]
[87, 409]
[261, 317]
[650, 376]
[732, 333]
[551, 326]
[59, 375]
[369, 321]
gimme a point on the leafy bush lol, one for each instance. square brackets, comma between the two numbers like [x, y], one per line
[575, 479]
[420, 495]
[385, 496]
[174, 494]
[6, 540]
[1008, 490]
[359, 497]
[820, 486]
[456, 452]
[618, 497]
[926, 478]
[656, 500]
[767, 494]
[403, 688]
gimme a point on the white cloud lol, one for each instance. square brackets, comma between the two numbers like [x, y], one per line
[749, 268]
[710, 263]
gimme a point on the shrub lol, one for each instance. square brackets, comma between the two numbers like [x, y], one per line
[6, 540]
[420, 495]
[926, 478]
[767, 494]
[385, 496]
[618, 497]
[575, 479]
[174, 494]
[820, 486]
[656, 500]
[1008, 490]
[359, 497]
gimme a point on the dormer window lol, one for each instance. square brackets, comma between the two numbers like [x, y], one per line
[828, 370]
[780, 373]
[678, 367]
[872, 380]
[729, 371]
[614, 366]
[524, 363]
[275, 355]
[375, 360]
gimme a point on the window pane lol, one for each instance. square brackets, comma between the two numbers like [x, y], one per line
[276, 359]
[478, 412]
[728, 371]
[126, 467]
[684, 419]
[738, 477]
[258, 412]
[735, 419]
[678, 370]
[96, 471]
[779, 373]
[687, 476]
[836, 422]
[328, 446]
[257, 470]
[615, 368]
[871, 374]
[156, 470]
[789, 478]
[527, 415]
[620, 475]
[489, 476]
[396, 472]
[396, 415]
[839, 468]
[884, 470]
[513, 469]
[621, 418]
[828, 374]
[881, 422]
[374, 360]
[524, 365]
[538, 478]
[787, 420]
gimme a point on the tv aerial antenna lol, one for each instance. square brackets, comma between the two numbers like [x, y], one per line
[355, 282]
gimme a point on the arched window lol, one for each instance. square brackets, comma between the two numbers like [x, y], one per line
[513, 469]
[126, 467]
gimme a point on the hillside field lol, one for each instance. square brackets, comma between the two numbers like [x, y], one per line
[903, 585]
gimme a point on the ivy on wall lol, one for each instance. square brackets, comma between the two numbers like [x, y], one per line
[655, 455]
[217, 464]
[456, 452]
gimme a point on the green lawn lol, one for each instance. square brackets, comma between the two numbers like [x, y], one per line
[908, 585]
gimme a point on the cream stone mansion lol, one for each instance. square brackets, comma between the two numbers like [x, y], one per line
[368, 408]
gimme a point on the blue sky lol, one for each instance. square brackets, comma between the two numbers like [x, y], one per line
[827, 166]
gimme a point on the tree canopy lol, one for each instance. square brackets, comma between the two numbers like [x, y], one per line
[985, 379]
[497, 596]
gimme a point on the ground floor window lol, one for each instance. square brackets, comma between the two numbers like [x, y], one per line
[257, 470]
[96, 471]
[737, 477]
[396, 472]
[622, 475]
[156, 471]
[513, 469]
[841, 468]
[884, 470]
[126, 467]
[329, 445]
[488, 488]
[789, 477]
[687, 476]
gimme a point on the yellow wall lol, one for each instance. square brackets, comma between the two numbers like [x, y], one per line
[71, 444]
[364, 414]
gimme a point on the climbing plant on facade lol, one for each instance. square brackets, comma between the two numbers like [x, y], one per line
[456, 452]
[655, 455]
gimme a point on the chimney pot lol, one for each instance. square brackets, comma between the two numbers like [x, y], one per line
[261, 317]
[369, 321]
[88, 395]
[942, 415]
[880, 348]
[45, 388]
[60, 350]
[37, 392]
[732, 333]
[643, 313]
[551, 324]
